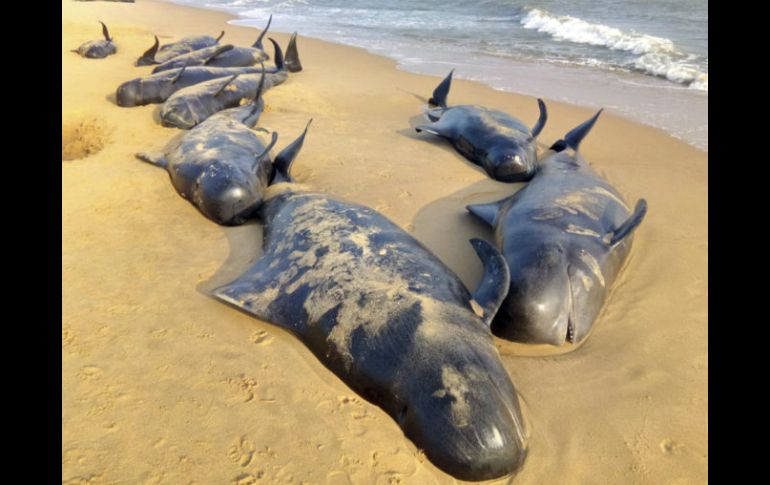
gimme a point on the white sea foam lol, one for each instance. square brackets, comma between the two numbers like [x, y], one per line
[677, 71]
[657, 55]
[564, 27]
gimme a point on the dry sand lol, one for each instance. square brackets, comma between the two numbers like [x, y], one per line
[163, 384]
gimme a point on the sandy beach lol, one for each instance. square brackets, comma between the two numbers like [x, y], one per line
[161, 383]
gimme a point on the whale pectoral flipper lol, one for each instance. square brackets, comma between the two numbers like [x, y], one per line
[488, 212]
[437, 128]
[251, 293]
[153, 158]
[495, 281]
[541, 120]
[226, 83]
[273, 140]
[614, 237]
[179, 74]
[219, 51]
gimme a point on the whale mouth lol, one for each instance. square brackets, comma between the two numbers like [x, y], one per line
[570, 337]
[570, 330]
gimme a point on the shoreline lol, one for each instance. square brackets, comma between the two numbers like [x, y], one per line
[641, 98]
[163, 384]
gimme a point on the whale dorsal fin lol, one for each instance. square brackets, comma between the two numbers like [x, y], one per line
[105, 32]
[284, 160]
[277, 56]
[273, 140]
[292, 56]
[541, 120]
[573, 138]
[149, 55]
[614, 237]
[441, 92]
[495, 280]
[258, 43]
[226, 83]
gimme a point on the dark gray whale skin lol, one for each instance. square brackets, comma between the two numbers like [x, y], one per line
[565, 237]
[192, 105]
[499, 143]
[244, 56]
[239, 57]
[393, 322]
[222, 166]
[200, 57]
[158, 87]
[98, 49]
[158, 54]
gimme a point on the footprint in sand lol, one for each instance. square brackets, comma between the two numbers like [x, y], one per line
[247, 478]
[241, 452]
[671, 447]
[89, 373]
[260, 337]
[245, 387]
[338, 478]
[91, 479]
[81, 138]
[393, 466]
[67, 337]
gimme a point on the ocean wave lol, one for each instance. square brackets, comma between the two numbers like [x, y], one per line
[564, 27]
[657, 55]
[681, 72]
